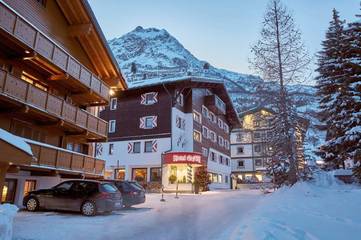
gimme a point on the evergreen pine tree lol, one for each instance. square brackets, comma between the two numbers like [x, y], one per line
[330, 82]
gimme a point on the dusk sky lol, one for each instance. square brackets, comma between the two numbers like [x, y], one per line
[220, 32]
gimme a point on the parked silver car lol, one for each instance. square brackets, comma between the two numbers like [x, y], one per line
[88, 197]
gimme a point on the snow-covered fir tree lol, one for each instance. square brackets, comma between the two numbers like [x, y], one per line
[330, 80]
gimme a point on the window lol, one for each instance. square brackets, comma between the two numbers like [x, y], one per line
[65, 186]
[226, 179]
[213, 156]
[220, 141]
[136, 147]
[219, 178]
[29, 186]
[226, 127]
[240, 164]
[155, 174]
[220, 159]
[208, 92]
[258, 162]
[197, 117]
[240, 150]
[226, 144]
[119, 173]
[220, 105]
[111, 126]
[139, 174]
[220, 123]
[180, 98]
[113, 103]
[257, 148]
[205, 112]
[149, 98]
[239, 137]
[180, 122]
[8, 191]
[257, 135]
[148, 146]
[111, 148]
[212, 117]
[227, 161]
[148, 122]
[205, 132]
[213, 136]
[256, 123]
[197, 136]
[205, 152]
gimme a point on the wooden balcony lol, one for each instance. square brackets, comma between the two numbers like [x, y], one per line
[15, 89]
[215, 104]
[46, 54]
[51, 157]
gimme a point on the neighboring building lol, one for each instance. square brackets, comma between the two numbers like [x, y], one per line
[186, 122]
[55, 67]
[251, 145]
[250, 150]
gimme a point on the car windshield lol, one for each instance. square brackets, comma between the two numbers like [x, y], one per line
[106, 187]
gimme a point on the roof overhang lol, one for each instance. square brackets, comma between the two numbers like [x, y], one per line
[84, 27]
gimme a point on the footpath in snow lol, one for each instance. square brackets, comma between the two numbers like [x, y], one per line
[321, 209]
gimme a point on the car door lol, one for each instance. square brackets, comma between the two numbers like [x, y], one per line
[76, 196]
[58, 195]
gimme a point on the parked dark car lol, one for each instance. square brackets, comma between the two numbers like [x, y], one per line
[88, 197]
[132, 192]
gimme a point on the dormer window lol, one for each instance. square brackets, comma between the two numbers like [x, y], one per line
[149, 98]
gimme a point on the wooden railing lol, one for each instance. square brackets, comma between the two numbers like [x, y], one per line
[25, 32]
[48, 156]
[34, 97]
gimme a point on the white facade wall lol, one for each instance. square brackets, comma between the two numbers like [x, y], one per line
[248, 165]
[218, 168]
[122, 159]
[247, 150]
[182, 139]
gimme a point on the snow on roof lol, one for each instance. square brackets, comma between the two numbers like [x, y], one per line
[15, 141]
[342, 172]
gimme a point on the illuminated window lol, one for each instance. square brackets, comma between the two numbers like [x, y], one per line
[155, 174]
[29, 186]
[120, 173]
[197, 117]
[139, 174]
[197, 136]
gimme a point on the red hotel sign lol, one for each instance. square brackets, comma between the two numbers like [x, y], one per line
[182, 158]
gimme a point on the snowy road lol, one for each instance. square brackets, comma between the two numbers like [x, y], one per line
[214, 215]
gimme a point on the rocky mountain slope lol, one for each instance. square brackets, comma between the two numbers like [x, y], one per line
[156, 56]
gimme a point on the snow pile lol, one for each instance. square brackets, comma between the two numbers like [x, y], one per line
[322, 209]
[7, 213]
[15, 141]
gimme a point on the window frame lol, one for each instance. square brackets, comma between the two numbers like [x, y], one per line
[113, 106]
[145, 146]
[200, 136]
[134, 143]
[112, 123]
[196, 113]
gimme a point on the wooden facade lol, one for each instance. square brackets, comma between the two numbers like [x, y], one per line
[55, 67]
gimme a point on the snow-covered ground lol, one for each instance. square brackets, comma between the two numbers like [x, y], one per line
[213, 215]
[322, 209]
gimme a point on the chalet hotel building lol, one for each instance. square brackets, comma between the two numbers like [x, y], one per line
[169, 129]
[55, 70]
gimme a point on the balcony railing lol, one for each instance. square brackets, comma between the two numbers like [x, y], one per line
[48, 50]
[61, 159]
[38, 99]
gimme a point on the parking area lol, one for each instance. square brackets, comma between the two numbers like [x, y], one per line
[212, 215]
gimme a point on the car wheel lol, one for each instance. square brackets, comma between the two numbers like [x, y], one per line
[88, 208]
[32, 204]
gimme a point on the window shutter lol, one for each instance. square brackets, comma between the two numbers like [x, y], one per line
[154, 146]
[142, 101]
[155, 97]
[177, 122]
[142, 122]
[183, 123]
[98, 149]
[130, 147]
[155, 121]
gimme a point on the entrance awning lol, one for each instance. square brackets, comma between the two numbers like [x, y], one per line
[14, 150]
[191, 158]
